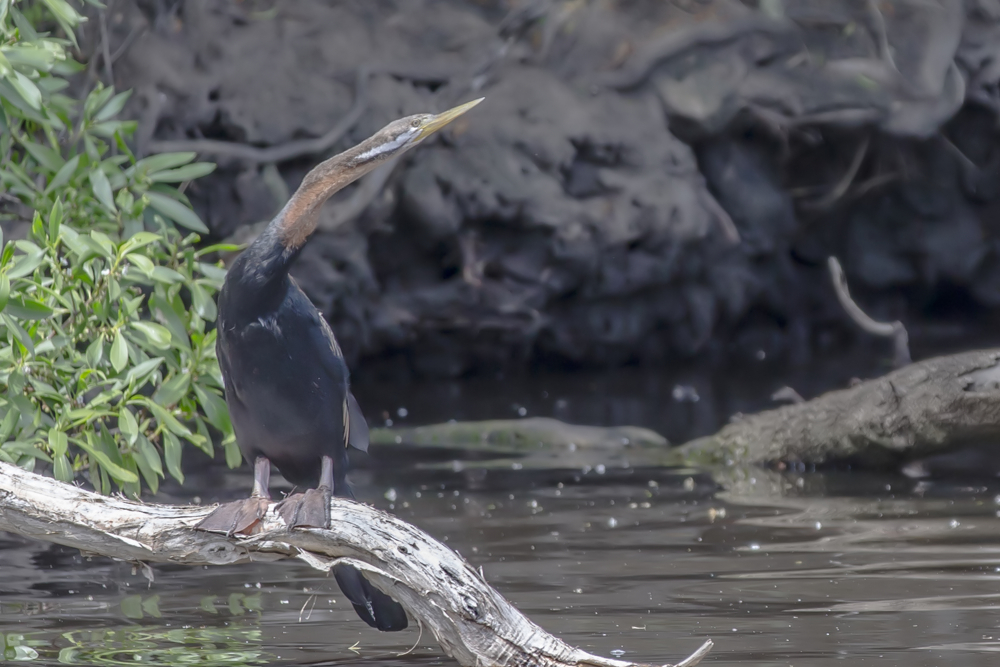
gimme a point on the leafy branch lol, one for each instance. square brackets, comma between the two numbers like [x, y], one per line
[106, 303]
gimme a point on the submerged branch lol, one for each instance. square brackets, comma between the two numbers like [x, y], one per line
[472, 622]
[921, 409]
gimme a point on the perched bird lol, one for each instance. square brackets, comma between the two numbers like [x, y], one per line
[285, 377]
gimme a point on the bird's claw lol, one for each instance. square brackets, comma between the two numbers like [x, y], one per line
[240, 517]
[306, 510]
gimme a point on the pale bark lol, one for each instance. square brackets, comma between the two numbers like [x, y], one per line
[472, 622]
[922, 409]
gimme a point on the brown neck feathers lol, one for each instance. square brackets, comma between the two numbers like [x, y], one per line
[298, 219]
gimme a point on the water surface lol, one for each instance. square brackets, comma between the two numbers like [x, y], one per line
[641, 563]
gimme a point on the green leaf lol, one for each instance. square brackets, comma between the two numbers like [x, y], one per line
[7, 92]
[63, 175]
[27, 89]
[218, 247]
[113, 107]
[58, 442]
[64, 12]
[29, 56]
[24, 308]
[141, 370]
[234, 457]
[148, 460]
[102, 189]
[115, 470]
[167, 420]
[172, 455]
[144, 264]
[127, 424]
[173, 390]
[26, 264]
[37, 229]
[138, 240]
[119, 352]
[92, 446]
[204, 305]
[155, 163]
[19, 333]
[4, 290]
[185, 173]
[112, 468]
[62, 468]
[95, 352]
[214, 407]
[166, 275]
[9, 423]
[131, 489]
[21, 448]
[56, 218]
[157, 334]
[177, 212]
[56, 343]
[23, 25]
[44, 155]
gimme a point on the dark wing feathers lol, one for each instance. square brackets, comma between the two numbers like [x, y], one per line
[354, 421]
[357, 426]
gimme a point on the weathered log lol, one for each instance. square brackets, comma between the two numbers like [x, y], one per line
[472, 622]
[918, 410]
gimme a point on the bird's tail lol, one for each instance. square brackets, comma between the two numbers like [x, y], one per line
[373, 606]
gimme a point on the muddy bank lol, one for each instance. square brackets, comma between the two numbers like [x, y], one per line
[646, 180]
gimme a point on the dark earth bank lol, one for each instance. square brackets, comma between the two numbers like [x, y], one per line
[646, 180]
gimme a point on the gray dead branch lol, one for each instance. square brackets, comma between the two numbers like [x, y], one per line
[894, 330]
[472, 622]
[922, 409]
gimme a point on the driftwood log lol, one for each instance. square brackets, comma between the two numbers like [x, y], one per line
[919, 410]
[472, 622]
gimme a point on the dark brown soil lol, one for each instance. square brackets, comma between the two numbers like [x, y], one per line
[587, 212]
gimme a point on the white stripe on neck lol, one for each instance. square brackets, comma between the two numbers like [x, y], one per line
[381, 149]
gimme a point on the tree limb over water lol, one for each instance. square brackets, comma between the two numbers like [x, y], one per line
[921, 409]
[472, 622]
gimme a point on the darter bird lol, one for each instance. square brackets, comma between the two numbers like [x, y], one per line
[285, 377]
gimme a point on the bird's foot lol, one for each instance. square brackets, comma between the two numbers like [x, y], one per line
[237, 517]
[307, 510]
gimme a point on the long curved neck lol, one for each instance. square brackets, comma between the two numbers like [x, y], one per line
[261, 269]
[258, 280]
[298, 219]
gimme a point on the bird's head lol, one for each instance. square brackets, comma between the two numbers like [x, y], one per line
[401, 135]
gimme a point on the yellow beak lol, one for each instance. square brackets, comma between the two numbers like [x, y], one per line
[442, 119]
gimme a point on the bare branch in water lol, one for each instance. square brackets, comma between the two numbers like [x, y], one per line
[472, 622]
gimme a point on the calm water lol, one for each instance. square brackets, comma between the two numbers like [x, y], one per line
[814, 569]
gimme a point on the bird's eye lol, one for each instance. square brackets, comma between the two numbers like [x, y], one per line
[415, 123]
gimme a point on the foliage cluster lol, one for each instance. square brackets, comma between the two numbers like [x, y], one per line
[107, 352]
